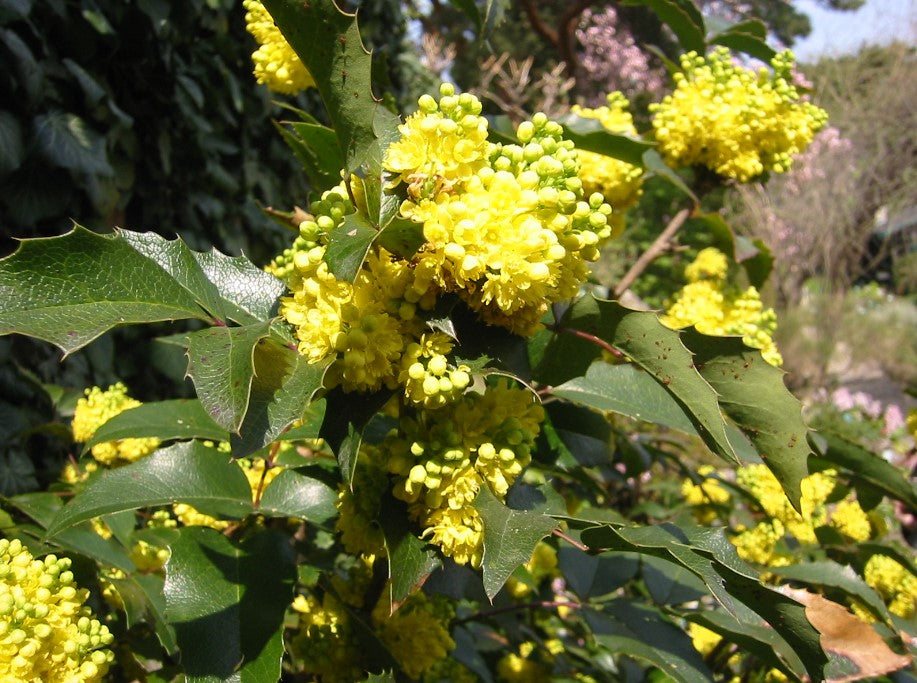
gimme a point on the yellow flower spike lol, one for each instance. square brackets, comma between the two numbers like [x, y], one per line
[48, 634]
[732, 120]
[95, 409]
[417, 634]
[276, 64]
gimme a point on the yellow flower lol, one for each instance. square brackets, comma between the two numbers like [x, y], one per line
[417, 634]
[520, 668]
[719, 308]
[621, 183]
[276, 64]
[95, 409]
[732, 120]
[46, 632]
[896, 585]
[325, 642]
[705, 496]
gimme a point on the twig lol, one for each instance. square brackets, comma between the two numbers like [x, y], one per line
[516, 608]
[574, 543]
[656, 248]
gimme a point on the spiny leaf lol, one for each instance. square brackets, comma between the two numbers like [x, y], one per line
[348, 245]
[752, 393]
[510, 537]
[227, 601]
[410, 560]
[590, 135]
[683, 18]
[179, 419]
[295, 494]
[221, 365]
[68, 290]
[187, 472]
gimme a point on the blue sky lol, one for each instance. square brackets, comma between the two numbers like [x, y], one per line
[878, 21]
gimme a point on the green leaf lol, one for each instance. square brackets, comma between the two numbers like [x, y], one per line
[590, 135]
[179, 419]
[348, 245]
[144, 601]
[345, 418]
[863, 465]
[402, 237]
[654, 164]
[510, 537]
[229, 288]
[227, 601]
[410, 560]
[683, 17]
[66, 141]
[68, 290]
[749, 37]
[637, 630]
[669, 583]
[626, 390]
[659, 351]
[752, 393]
[283, 385]
[328, 43]
[321, 155]
[187, 472]
[221, 363]
[295, 494]
[594, 576]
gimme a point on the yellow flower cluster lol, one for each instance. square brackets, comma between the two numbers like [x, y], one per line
[325, 641]
[523, 667]
[717, 307]
[276, 64]
[95, 409]
[359, 507]
[732, 120]
[440, 460]
[417, 634]
[620, 182]
[893, 581]
[46, 632]
[705, 497]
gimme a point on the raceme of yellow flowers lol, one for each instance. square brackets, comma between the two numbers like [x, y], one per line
[720, 308]
[276, 64]
[735, 121]
[766, 543]
[95, 409]
[46, 632]
[621, 183]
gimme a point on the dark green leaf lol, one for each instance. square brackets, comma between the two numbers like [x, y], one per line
[627, 390]
[324, 153]
[348, 245]
[669, 583]
[683, 17]
[590, 135]
[283, 385]
[594, 576]
[626, 627]
[659, 351]
[863, 464]
[402, 237]
[227, 603]
[143, 601]
[295, 494]
[510, 537]
[654, 163]
[346, 415]
[221, 365]
[12, 151]
[179, 419]
[187, 472]
[752, 393]
[410, 560]
[66, 141]
[745, 38]
[68, 290]
[328, 43]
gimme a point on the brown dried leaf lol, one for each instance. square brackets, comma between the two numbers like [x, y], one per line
[846, 635]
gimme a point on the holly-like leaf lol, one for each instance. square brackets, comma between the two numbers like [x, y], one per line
[318, 150]
[638, 630]
[227, 601]
[510, 537]
[328, 43]
[348, 245]
[179, 419]
[749, 37]
[345, 418]
[683, 17]
[659, 351]
[590, 135]
[187, 473]
[861, 464]
[68, 290]
[654, 164]
[752, 393]
[221, 364]
[143, 601]
[410, 560]
[626, 390]
[294, 493]
[229, 288]
[283, 385]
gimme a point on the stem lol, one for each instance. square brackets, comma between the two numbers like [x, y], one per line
[656, 249]
[517, 608]
[588, 337]
[575, 544]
